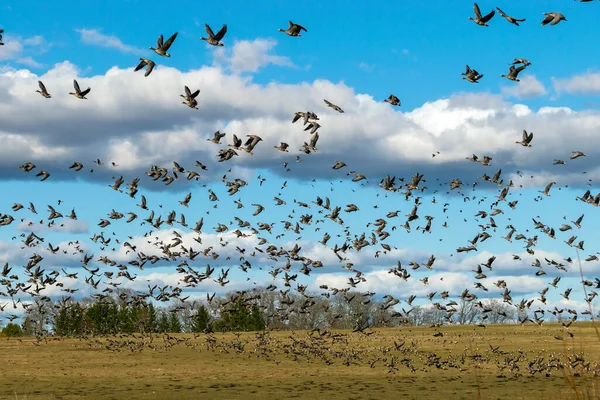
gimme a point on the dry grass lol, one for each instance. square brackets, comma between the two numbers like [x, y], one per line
[274, 366]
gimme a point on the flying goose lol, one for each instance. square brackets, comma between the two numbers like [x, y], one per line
[520, 61]
[527, 138]
[43, 90]
[509, 18]
[553, 18]
[393, 100]
[283, 147]
[471, 75]
[237, 143]
[161, 48]
[336, 108]
[216, 139]
[78, 93]
[251, 143]
[213, 39]
[513, 72]
[190, 98]
[294, 29]
[479, 20]
[144, 62]
[577, 154]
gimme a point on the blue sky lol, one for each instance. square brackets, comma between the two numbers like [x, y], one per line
[354, 55]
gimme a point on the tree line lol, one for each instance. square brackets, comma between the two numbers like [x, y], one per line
[258, 309]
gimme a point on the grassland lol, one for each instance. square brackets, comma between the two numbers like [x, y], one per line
[497, 362]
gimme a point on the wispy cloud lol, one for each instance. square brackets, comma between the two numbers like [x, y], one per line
[20, 50]
[528, 88]
[585, 84]
[251, 55]
[96, 38]
[366, 67]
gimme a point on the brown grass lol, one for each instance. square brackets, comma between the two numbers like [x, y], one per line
[274, 366]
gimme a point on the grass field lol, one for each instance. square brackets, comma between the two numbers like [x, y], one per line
[526, 362]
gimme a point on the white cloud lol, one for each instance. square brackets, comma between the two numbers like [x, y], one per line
[527, 88]
[96, 38]
[64, 226]
[585, 84]
[20, 50]
[251, 55]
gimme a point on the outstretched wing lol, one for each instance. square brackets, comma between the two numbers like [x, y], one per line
[221, 33]
[524, 135]
[195, 94]
[301, 28]
[489, 16]
[140, 65]
[188, 93]
[501, 12]
[169, 42]
[549, 17]
[42, 86]
[150, 68]
[209, 31]
[76, 86]
[86, 91]
[159, 41]
[477, 11]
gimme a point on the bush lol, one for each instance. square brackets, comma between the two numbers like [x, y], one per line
[12, 330]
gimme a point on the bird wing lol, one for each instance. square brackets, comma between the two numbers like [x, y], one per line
[86, 91]
[169, 42]
[151, 65]
[530, 137]
[477, 11]
[501, 12]
[209, 31]
[42, 86]
[221, 33]
[301, 28]
[489, 16]
[524, 135]
[549, 17]
[188, 93]
[76, 86]
[140, 65]
[195, 94]
[159, 41]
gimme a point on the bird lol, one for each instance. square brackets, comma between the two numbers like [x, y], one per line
[144, 62]
[471, 75]
[510, 19]
[217, 136]
[78, 93]
[162, 48]
[527, 138]
[553, 18]
[520, 61]
[393, 100]
[513, 72]
[190, 98]
[479, 20]
[577, 154]
[330, 104]
[213, 39]
[43, 91]
[251, 143]
[294, 29]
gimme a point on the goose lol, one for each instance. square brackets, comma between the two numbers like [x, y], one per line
[479, 20]
[144, 62]
[78, 93]
[527, 138]
[577, 154]
[330, 104]
[1, 32]
[338, 165]
[237, 143]
[283, 147]
[43, 90]
[553, 18]
[251, 143]
[161, 48]
[294, 29]
[190, 98]
[393, 100]
[510, 19]
[520, 61]
[213, 39]
[216, 139]
[513, 72]
[471, 75]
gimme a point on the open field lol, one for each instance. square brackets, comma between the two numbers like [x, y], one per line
[459, 364]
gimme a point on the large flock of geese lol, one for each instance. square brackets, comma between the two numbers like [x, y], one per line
[105, 281]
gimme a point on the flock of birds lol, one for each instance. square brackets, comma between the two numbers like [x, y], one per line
[107, 274]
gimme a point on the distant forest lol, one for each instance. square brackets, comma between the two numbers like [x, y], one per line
[127, 312]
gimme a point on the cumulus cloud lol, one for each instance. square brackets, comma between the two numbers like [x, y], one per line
[96, 38]
[371, 135]
[527, 88]
[584, 84]
[251, 55]
[21, 50]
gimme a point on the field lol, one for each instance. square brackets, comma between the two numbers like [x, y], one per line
[460, 362]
